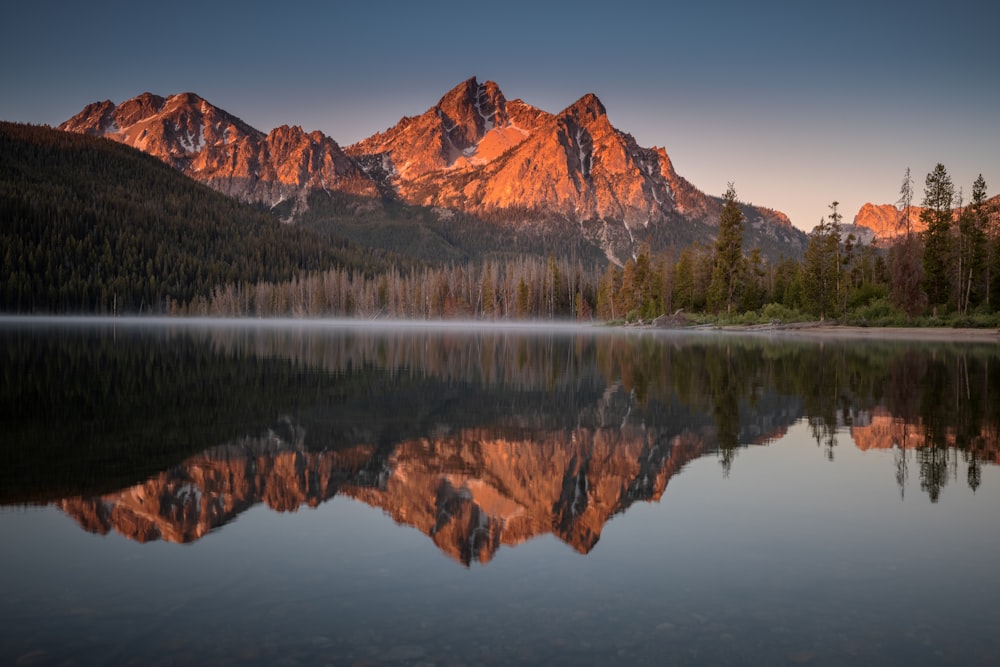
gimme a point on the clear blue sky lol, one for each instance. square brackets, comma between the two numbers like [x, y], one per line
[797, 103]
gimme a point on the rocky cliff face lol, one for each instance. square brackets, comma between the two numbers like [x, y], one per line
[218, 149]
[474, 151]
[886, 221]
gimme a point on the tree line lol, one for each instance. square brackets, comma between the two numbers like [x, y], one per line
[950, 268]
[524, 287]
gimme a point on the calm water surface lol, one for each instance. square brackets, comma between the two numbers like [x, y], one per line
[308, 494]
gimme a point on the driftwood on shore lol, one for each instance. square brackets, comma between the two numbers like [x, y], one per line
[816, 328]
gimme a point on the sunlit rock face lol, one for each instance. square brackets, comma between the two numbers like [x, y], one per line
[474, 151]
[886, 221]
[220, 150]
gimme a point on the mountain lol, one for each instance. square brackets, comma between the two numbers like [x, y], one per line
[477, 152]
[886, 221]
[474, 152]
[220, 150]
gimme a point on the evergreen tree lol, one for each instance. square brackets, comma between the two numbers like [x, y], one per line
[728, 266]
[821, 269]
[607, 294]
[905, 257]
[684, 279]
[754, 290]
[939, 193]
[972, 248]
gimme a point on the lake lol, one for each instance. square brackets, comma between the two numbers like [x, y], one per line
[181, 492]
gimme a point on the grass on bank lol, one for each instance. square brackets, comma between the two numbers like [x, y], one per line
[877, 313]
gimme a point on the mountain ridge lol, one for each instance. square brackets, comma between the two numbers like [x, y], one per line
[886, 220]
[473, 152]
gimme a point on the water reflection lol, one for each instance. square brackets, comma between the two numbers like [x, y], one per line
[477, 439]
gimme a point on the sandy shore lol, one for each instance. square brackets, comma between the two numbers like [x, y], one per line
[818, 329]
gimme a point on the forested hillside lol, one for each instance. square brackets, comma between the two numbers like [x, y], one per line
[89, 225]
[439, 236]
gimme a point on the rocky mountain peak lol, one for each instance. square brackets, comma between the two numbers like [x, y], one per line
[587, 109]
[886, 221]
[470, 110]
[95, 119]
[217, 148]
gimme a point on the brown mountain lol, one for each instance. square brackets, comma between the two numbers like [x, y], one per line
[220, 150]
[474, 152]
[886, 221]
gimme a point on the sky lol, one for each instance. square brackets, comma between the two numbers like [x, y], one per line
[798, 104]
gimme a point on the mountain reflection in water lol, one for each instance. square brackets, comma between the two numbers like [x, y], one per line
[477, 439]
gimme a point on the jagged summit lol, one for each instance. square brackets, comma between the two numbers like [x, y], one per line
[219, 149]
[587, 109]
[473, 151]
[472, 109]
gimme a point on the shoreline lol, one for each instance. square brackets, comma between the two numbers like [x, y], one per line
[791, 329]
[825, 330]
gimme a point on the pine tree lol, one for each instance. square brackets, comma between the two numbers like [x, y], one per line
[607, 293]
[938, 196]
[821, 269]
[728, 266]
[972, 247]
[905, 257]
[684, 280]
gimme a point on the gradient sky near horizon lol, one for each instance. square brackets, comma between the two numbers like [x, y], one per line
[797, 103]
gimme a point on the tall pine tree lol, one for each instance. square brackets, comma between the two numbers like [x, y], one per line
[905, 256]
[728, 266]
[938, 196]
[821, 268]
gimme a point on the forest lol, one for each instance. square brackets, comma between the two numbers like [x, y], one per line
[90, 226]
